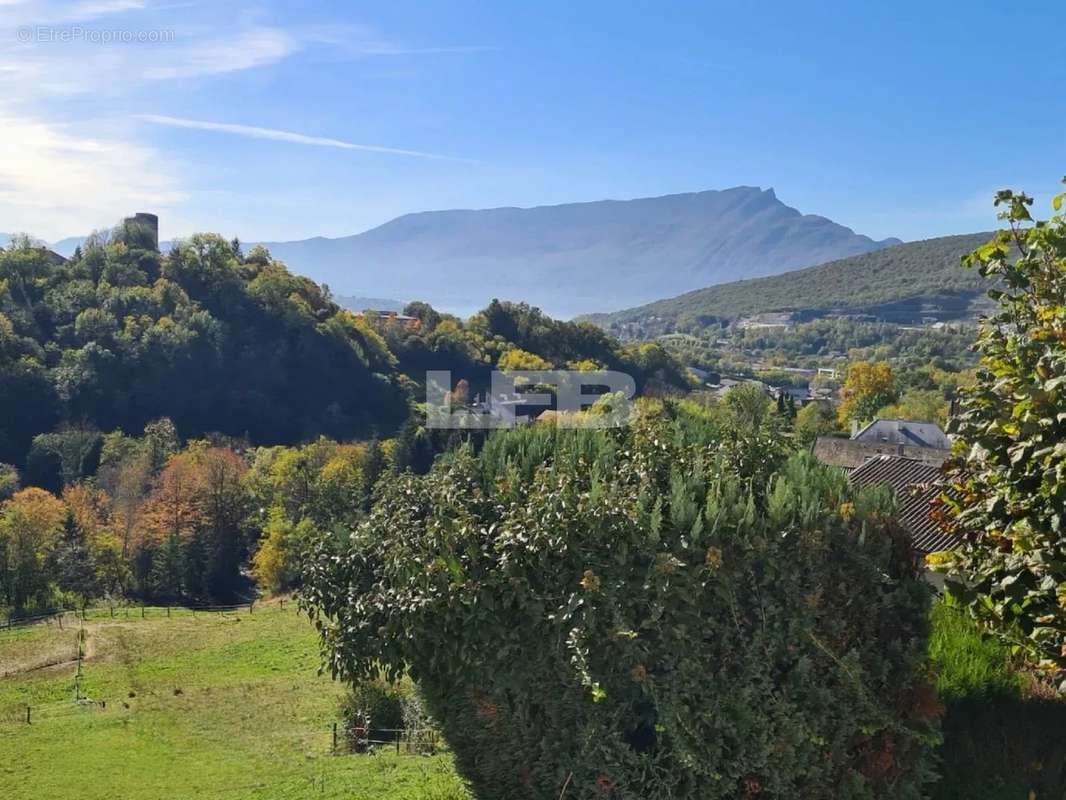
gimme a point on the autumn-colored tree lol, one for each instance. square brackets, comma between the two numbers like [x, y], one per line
[174, 506]
[224, 498]
[129, 482]
[921, 405]
[460, 395]
[584, 365]
[276, 563]
[341, 486]
[31, 523]
[91, 507]
[516, 359]
[200, 500]
[868, 387]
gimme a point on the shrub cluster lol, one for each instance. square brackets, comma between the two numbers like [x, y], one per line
[629, 614]
[371, 705]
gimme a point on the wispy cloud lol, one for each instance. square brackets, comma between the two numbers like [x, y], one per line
[63, 172]
[254, 132]
[91, 9]
[40, 12]
[38, 70]
[54, 181]
[249, 49]
[400, 50]
[81, 67]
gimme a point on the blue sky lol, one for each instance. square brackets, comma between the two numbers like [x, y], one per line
[254, 119]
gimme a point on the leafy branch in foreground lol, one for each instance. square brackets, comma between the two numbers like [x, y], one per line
[1009, 502]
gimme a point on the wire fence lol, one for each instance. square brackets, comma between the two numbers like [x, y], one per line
[13, 630]
[46, 712]
[346, 738]
[405, 741]
[131, 611]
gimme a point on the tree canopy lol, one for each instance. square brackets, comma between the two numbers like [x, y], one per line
[221, 341]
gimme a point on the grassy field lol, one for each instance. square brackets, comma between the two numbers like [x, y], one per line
[198, 706]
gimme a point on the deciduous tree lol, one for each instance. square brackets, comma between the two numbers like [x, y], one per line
[31, 523]
[868, 387]
[1009, 498]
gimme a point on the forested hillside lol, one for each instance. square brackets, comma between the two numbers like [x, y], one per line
[120, 335]
[895, 284]
[220, 341]
[145, 399]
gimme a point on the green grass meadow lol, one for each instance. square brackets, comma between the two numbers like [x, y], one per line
[230, 706]
[212, 705]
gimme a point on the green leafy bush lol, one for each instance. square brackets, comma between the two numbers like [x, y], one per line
[625, 614]
[372, 704]
[1009, 498]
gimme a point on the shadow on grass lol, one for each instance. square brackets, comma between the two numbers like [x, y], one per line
[1002, 749]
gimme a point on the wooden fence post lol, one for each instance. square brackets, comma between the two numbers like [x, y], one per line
[251, 607]
[334, 729]
[168, 611]
[27, 715]
[142, 610]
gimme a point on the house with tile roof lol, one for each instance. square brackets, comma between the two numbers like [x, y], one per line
[915, 485]
[904, 432]
[920, 441]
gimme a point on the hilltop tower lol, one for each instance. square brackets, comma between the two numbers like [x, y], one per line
[146, 221]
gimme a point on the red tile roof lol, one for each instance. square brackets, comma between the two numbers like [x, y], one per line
[915, 485]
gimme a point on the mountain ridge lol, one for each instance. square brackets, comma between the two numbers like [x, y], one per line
[903, 283]
[561, 257]
[571, 258]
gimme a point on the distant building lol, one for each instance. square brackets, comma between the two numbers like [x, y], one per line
[724, 385]
[509, 409]
[392, 318]
[802, 395]
[701, 374]
[915, 486]
[770, 320]
[904, 432]
[924, 442]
